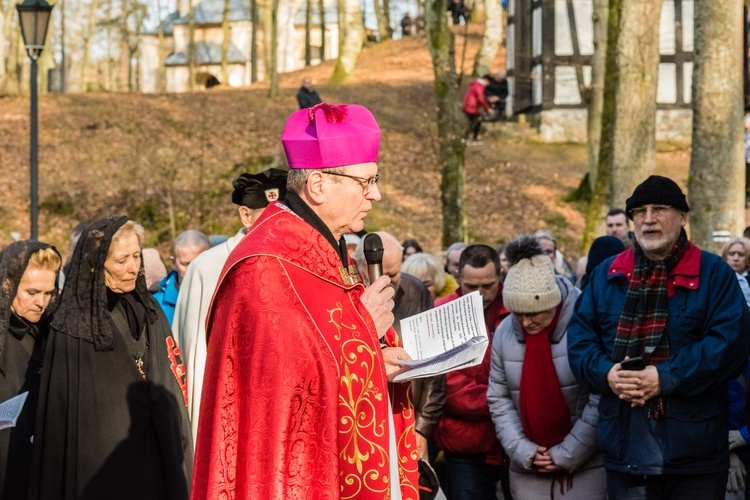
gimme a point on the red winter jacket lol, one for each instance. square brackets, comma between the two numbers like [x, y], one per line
[466, 425]
[474, 98]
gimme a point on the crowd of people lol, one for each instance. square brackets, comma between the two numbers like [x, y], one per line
[263, 366]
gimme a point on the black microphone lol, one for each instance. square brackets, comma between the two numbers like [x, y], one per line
[373, 249]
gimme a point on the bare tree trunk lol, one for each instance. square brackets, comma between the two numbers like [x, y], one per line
[3, 71]
[450, 119]
[635, 98]
[225, 44]
[63, 58]
[110, 66]
[493, 37]
[15, 61]
[267, 16]
[161, 85]
[124, 48]
[341, 14]
[171, 212]
[322, 10]
[308, 32]
[191, 46]
[477, 8]
[47, 58]
[352, 44]
[254, 41]
[717, 171]
[387, 11]
[595, 92]
[273, 70]
[88, 42]
[600, 195]
[383, 25]
[20, 59]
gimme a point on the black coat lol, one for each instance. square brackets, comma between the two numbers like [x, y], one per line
[102, 430]
[24, 357]
[21, 353]
[307, 98]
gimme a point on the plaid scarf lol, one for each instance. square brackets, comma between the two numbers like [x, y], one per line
[643, 322]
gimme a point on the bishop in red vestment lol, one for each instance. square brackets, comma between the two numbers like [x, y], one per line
[296, 400]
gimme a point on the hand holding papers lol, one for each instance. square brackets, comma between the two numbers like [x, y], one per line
[11, 409]
[447, 338]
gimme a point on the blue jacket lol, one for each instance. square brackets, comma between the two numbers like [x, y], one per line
[167, 295]
[707, 330]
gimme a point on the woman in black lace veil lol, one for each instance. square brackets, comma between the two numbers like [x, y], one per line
[112, 419]
[28, 284]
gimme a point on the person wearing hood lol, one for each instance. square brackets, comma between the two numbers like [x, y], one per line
[545, 420]
[112, 419]
[28, 277]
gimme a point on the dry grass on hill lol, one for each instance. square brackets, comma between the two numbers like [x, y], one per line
[104, 153]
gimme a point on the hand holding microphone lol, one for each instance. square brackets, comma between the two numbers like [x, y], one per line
[378, 297]
[373, 250]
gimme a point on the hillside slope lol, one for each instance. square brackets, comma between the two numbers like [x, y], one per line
[105, 153]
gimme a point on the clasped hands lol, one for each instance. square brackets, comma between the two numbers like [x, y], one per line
[544, 462]
[378, 300]
[635, 387]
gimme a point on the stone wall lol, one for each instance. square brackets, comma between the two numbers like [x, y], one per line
[569, 125]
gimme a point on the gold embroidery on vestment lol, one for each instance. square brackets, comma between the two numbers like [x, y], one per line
[358, 418]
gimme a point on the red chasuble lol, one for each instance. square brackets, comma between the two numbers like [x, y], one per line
[295, 396]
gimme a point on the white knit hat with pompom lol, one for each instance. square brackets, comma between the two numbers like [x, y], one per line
[530, 286]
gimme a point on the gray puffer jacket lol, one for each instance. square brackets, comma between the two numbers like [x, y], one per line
[578, 451]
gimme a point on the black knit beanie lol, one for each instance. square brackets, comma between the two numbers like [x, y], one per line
[657, 190]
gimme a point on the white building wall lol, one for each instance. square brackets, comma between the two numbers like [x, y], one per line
[149, 66]
[241, 33]
[181, 39]
[290, 56]
[177, 79]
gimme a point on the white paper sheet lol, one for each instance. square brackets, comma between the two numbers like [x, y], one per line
[446, 338]
[11, 409]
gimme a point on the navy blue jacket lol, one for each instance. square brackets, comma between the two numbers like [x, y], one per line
[709, 345]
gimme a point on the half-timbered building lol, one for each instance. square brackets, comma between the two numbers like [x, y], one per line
[550, 46]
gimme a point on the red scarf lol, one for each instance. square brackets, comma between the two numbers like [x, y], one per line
[544, 412]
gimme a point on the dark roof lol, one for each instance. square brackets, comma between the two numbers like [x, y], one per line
[207, 53]
[166, 25]
[212, 12]
[331, 16]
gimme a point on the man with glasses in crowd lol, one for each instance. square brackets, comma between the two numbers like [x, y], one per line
[299, 351]
[663, 419]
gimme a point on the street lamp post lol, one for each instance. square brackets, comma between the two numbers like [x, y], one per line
[34, 16]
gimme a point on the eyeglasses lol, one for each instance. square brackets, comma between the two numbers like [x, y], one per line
[366, 183]
[657, 211]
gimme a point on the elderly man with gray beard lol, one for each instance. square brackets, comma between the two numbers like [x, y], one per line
[658, 332]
